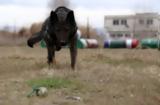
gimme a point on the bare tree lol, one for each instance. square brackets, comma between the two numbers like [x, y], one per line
[53, 4]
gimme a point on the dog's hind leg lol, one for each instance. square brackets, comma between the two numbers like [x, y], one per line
[34, 39]
[38, 36]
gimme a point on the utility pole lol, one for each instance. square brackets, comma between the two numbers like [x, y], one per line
[88, 28]
[158, 35]
[14, 28]
[134, 27]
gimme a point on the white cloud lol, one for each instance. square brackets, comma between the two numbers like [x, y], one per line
[135, 5]
[22, 12]
[35, 3]
[96, 16]
[19, 15]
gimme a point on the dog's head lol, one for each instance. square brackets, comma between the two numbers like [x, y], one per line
[63, 26]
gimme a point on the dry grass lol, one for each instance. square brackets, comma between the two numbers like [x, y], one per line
[108, 76]
[10, 40]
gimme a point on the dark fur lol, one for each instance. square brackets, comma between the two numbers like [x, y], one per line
[58, 30]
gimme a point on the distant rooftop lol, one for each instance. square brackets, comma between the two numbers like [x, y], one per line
[146, 14]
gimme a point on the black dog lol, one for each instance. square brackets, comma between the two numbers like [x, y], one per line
[58, 30]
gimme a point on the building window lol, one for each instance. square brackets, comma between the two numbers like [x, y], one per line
[115, 22]
[124, 22]
[149, 22]
[127, 35]
[112, 35]
[141, 21]
[119, 35]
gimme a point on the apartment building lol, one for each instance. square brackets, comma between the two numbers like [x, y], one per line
[139, 25]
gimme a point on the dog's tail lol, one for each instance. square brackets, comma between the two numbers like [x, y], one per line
[34, 39]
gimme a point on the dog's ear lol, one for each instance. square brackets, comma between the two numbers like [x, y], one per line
[53, 17]
[70, 18]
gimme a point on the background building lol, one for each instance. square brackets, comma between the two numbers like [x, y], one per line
[140, 25]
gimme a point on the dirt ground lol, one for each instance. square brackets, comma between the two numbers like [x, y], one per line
[110, 76]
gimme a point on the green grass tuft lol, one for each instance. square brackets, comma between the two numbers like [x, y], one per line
[55, 82]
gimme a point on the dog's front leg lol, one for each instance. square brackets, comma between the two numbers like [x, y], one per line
[51, 55]
[73, 52]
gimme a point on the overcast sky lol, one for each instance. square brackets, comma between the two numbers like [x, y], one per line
[25, 12]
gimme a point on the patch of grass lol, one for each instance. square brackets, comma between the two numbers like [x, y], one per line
[131, 61]
[39, 64]
[56, 83]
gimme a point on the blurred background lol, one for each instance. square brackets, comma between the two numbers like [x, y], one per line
[20, 19]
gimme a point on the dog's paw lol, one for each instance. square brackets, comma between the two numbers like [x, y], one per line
[58, 48]
[29, 43]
